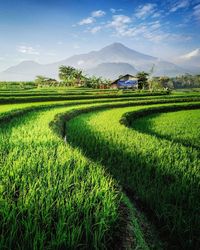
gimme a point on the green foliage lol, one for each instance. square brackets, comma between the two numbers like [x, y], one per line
[66, 73]
[43, 81]
[14, 86]
[155, 85]
[97, 82]
[70, 76]
[187, 81]
[183, 81]
[74, 77]
[142, 80]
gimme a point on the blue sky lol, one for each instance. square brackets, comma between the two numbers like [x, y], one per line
[51, 30]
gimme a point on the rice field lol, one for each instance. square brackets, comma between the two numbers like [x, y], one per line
[181, 126]
[77, 163]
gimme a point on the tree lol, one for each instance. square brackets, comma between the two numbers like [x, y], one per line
[142, 79]
[78, 75]
[40, 80]
[165, 81]
[106, 83]
[96, 82]
[70, 76]
[45, 81]
[66, 74]
[155, 84]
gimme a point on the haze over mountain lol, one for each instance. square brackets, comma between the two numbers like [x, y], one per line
[114, 69]
[191, 61]
[109, 62]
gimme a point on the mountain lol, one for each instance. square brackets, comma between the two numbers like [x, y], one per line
[28, 70]
[115, 69]
[110, 62]
[191, 61]
[114, 53]
[25, 69]
[168, 69]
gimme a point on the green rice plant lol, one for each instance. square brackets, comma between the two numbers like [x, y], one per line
[18, 109]
[51, 196]
[163, 173]
[22, 97]
[54, 197]
[181, 126]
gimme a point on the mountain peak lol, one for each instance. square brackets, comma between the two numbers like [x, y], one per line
[29, 62]
[115, 46]
[123, 53]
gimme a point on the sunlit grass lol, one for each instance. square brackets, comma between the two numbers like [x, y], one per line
[163, 173]
[54, 197]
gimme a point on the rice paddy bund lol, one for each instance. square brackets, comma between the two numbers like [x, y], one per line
[99, 169]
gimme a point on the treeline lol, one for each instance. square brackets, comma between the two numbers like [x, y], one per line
[71, 77]
[183, 81]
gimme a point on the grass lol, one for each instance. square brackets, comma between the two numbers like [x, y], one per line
[181, 126]
[44, 184]
[164, 174]
[43, 188]
[55, 196]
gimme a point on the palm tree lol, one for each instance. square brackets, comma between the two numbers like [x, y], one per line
[78, 75]
[66, 74]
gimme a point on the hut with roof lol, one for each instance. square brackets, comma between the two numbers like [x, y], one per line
[125, 82]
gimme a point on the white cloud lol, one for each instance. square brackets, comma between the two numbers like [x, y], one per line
[146, 10]
[92, 18]
[157, 36]
[180, 5]
[151, 31]
[95, 29]
[155, 15]
[155, 25]
[119, 23]
[112, 10]
[98, 13]
[134, 31]
[196, 12]
[29, 50]
[154, 31]
[124, 27]
[87, 20]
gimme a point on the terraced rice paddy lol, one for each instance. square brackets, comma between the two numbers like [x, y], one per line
[81, 181]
